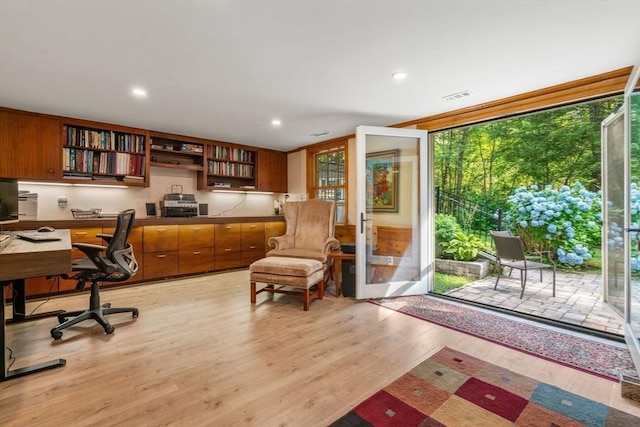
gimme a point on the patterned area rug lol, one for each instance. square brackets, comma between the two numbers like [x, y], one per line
[589, 355]
[454, 389]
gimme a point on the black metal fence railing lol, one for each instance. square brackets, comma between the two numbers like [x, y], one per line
[473, 217]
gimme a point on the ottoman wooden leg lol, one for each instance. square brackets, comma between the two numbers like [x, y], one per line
[305, 299]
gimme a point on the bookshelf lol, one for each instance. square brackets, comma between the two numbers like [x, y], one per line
[93, 154]
[228, 168]
[168, 152]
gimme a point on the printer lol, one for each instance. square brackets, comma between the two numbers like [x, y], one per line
[178, 205]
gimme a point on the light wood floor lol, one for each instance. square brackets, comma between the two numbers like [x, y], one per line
[201, 355]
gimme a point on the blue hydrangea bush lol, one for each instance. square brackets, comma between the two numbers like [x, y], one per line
[564, 221]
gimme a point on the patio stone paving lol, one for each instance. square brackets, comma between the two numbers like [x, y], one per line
[578, 299]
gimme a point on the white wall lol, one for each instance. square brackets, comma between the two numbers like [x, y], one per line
[117, 199]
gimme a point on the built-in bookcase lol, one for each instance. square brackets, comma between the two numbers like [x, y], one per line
[230, 168]
[104, 156]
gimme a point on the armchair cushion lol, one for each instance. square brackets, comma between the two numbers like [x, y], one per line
[310, 231]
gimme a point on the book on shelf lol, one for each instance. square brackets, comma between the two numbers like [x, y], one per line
[247, 187]
[222, 185]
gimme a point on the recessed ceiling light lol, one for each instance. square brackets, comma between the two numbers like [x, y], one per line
[139, 92]
[399, 75]
[276, 122]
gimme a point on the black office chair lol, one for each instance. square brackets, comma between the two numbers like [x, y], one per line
[113, 263]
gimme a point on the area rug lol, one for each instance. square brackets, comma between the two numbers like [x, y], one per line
[596, 357]
[454, 389]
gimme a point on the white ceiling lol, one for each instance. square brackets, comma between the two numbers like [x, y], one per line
[224, 69]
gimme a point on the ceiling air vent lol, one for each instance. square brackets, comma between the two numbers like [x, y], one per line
[322, 133]
[457, 95]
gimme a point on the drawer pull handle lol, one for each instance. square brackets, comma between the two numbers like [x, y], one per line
[227, 250]
[197, 228]
[228, 227]
[252, 247]
[197, 252]
[161, 256]
[160, 230]
[81, 233]
[252, 226]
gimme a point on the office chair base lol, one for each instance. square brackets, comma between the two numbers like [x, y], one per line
[95, 312]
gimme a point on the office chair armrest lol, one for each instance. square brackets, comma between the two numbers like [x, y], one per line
[90, 250]
[106, 237]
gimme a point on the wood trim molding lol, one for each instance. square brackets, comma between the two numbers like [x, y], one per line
[606, 84]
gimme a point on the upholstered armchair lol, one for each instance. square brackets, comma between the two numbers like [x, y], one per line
[310, 231]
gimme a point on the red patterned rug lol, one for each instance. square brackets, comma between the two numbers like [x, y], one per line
[598, 357]
[454, 389]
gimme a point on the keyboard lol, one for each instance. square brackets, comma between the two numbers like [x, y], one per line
[37, 237]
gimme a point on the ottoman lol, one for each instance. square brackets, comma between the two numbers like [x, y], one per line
[290, 276]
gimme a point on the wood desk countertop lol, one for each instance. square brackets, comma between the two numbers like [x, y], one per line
[20, 259]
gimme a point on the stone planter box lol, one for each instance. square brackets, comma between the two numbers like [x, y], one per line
[477, 269]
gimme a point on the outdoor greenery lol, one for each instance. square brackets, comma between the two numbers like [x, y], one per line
[463, 247]
[542, 170]
[565, 221]
[446, 282]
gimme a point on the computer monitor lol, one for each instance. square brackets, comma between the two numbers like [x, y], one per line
[8, 200]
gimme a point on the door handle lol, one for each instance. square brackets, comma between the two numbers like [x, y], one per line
[362, 221]
[631, 230]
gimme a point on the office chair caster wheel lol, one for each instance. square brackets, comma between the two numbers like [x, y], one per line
[134, 313]
[109, 329]
[56, 335]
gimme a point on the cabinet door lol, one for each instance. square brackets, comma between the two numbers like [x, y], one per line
[195, 236]
[30, 146]
[160, 238]
[197, 260]
[271, 171]
[252, 242]
[228, 246]
[160, 264]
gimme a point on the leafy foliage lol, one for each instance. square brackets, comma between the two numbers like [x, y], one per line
[565, 221]
[463, 247]
[446, 226]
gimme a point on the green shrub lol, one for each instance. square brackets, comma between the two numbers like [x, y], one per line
[446, 227]
[463, 247]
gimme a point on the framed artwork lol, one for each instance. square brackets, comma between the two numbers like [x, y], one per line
[382, 181]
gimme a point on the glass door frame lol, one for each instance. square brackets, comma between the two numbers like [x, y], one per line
[632, 340]
[425, 216]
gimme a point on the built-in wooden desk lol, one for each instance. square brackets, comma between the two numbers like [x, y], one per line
[20, 259]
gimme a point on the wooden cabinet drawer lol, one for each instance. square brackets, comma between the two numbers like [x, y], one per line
[252, 236]
[251, 255]
[227, 239]
[195, 260]
[224, 231]
[160, 264]
[159, 238]
[85, 235]
[230, 260]
[196, 236]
